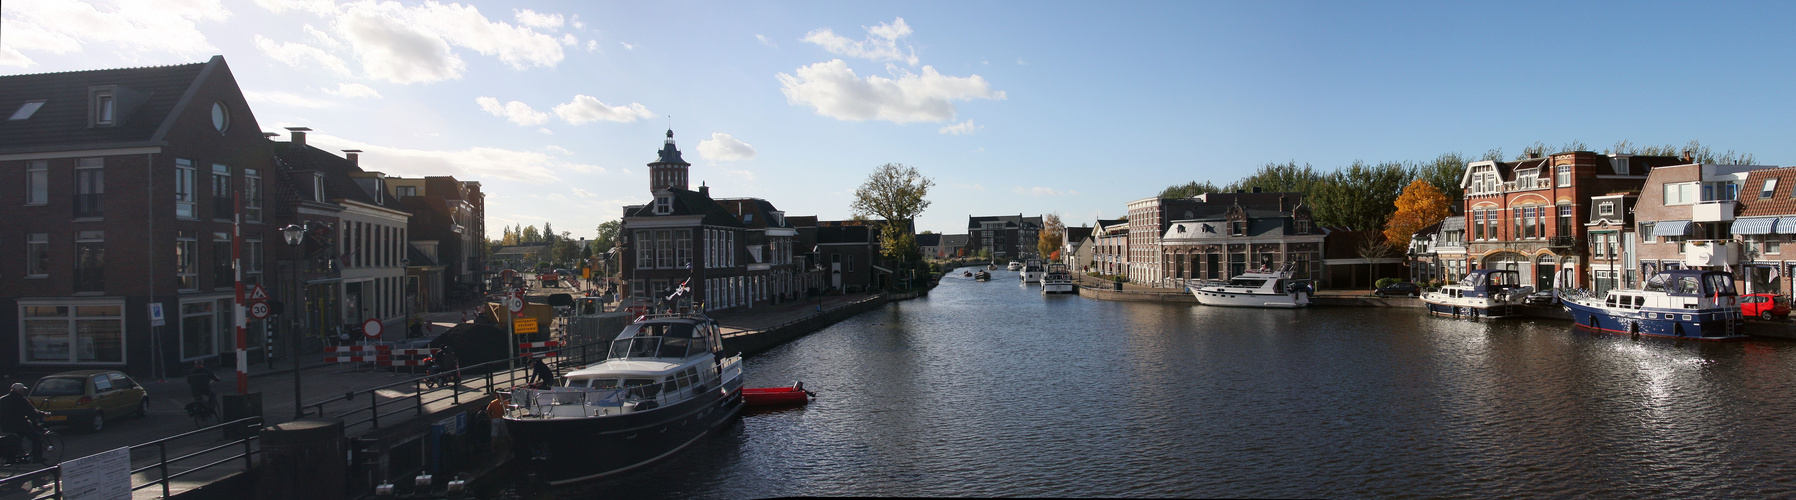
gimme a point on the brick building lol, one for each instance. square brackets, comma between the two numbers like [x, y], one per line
[1005, 237]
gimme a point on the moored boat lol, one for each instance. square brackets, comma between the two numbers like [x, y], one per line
[1031, 272]
[775, 396]
[1263, 288]
[1013, 266]
[664, 386]
[1681, 303]
[1482, 293]
[1059, 279]
[982, 276]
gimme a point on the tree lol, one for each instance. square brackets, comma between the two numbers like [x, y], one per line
[548, 234]
[1047, 242]
[1189, 189]
[607, 236]
[898, 194]
[1444, 173]
[530, 236]
[1360, 197]
[1421, 205]
[1372, 246]
[1286, 178]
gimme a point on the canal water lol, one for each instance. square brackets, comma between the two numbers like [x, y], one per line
[991, 389]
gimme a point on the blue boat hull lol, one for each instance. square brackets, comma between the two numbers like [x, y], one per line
[1698, 324]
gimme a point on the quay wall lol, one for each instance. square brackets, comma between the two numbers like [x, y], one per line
[755, 341]
[1171, 297]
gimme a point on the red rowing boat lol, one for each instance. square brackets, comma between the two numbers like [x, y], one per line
[768, 396]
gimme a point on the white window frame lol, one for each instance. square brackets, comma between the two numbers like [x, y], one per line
[187, 245]
[1563, 173]
[252, 196]
[37, 244]
[185, 173]
[72, 318]
[37, 182]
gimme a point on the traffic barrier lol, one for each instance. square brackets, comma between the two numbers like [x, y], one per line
[549, 354]
[380, 355]
[538, 345]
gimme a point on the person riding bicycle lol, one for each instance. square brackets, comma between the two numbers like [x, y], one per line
[446, 363]
[199, 383]
[19, 417]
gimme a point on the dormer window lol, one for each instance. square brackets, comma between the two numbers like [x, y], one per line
[663, 204]
[1606, 208]
[1303, 226]
[748, 218]
[1620, 164]
[318, 187]
[104, 107]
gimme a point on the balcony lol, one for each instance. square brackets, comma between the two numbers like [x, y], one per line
[1713, 211]
[1562, 242]
[1711, 252]
[87, 205]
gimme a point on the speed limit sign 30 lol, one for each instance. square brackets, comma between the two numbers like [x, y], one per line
[259, 310]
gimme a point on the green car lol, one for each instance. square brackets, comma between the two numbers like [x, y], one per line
[88, 397]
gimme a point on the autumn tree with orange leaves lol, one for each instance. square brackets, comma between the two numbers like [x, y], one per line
[1420, 206]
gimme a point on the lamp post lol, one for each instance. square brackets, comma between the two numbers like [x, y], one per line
[295, 235]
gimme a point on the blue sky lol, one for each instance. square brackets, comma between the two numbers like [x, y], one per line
[1011, 107]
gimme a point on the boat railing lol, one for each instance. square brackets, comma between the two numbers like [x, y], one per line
[565, 402]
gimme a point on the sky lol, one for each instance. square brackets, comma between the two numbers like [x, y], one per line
[1009, 107]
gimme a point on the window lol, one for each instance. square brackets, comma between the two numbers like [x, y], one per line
[199, 332]
[90, 261]
[186, 260]
[252, 254]
[90, 184]
[1531, 218]
[184, 198]
[1769, 189]
[663, 204]
[1303, 226]
[1564, 173]
[664, 256]
[1565, 220]
[1774, 243]
[37, 255]
[73, 333]
[1606, 208]
[404, 191]
[318, 188]
[252, 195]
[37, 182]
[1477, 225]
[104, 107]
[221, 116]
[1680, 194]
[645, 250]
[1620, 164]
[221, 192]
[25, 111]
[222, 276]
[683, 242]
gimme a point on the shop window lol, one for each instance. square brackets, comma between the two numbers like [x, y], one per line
[73, 333]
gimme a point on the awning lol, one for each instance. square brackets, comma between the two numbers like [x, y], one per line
[1786, 225]
[1754, 225]
[1672, 228]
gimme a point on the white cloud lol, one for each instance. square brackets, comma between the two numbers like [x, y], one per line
[585, 109]
[584, 193]
[592, 45]
[881, 43]
[353, 90]
[835, 91]
[962, 128]
[301, 56]
[766, 41]
[284, 99]
[471, 164]
[133, 27]
[413, 44]
[545, 131]
[627, 46]
[533, 19]
[1021, 62]
[570, 40]
[558, 149]
[1041, 191]
[323, 38]
[320, 7]
[722, 147]
[514, 111]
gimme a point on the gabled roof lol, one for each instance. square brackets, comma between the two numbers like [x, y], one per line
[338, 183]
[954, 240]
[929, 240]
[687, 202]
[1783, 195]
[759, 212]
[1076, 234]
[147, 100]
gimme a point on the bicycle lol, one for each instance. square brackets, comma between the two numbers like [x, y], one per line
[200, 412]
[50, 449]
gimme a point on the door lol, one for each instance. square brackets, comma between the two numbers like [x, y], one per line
[105, 394]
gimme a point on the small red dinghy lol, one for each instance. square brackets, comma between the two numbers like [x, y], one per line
[769, 396]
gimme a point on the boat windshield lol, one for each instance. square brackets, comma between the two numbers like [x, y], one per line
[1246, 283]
[1473, 279]
[660, 340]
[1718, 284]
[636, 347]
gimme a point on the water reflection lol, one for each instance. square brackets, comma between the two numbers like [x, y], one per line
[990, 389]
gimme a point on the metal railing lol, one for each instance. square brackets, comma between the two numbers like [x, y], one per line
[163, 462]
[88, 205]
[493, 376]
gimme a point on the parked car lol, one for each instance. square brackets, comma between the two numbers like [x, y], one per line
[1541, 298]
[1765, 306]
[88, 397]
[1399, 289]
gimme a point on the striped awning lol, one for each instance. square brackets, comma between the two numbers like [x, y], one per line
[1786, 225]
[1672, 228]
[1755, 225]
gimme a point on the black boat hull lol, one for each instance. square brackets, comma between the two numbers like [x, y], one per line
[570, 450]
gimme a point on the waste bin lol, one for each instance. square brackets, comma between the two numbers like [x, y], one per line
[237, 407]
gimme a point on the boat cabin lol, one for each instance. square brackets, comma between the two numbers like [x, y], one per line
[1678, 289]
[667, 338]
[1485, 283]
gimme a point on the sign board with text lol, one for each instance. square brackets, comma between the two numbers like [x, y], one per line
[524, 325]
[105, 476]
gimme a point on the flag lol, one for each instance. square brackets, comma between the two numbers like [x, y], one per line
[681, 289]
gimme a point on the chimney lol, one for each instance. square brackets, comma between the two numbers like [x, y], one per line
[296, 136]
[354, 156]
[1256, 189]
[704, 190]
[1282, 207]
[1689, 156]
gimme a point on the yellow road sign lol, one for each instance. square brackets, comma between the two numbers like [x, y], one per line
[524, 325]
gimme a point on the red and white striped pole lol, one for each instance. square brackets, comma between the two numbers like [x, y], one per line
[237, 310]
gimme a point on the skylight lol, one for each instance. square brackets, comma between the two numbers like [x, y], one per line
[26, 111]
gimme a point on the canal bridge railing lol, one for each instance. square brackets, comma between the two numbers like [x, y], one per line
[216, 460]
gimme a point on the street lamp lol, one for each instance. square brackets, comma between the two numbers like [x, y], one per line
[295, 235]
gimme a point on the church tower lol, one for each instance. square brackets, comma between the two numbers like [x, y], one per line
[670, 170]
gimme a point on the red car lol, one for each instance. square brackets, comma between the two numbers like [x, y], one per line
[1765, 306]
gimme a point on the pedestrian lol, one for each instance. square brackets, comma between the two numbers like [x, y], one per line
[541, 374]
[416, 329]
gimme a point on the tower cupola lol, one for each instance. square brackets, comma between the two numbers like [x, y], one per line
[669, 171]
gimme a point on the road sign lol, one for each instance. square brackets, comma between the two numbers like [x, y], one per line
[371, 328]
[156, 314]
[514, 304]
[259, 310]
[255, 294]
[523, 326]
